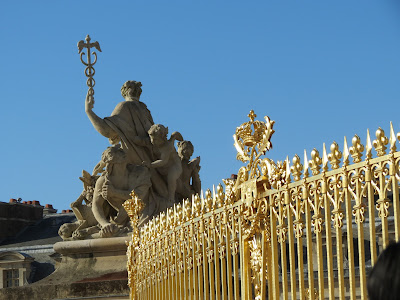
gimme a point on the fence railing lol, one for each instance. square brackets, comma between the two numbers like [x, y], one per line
[310, 230]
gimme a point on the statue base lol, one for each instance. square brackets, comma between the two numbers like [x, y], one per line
[87, 268]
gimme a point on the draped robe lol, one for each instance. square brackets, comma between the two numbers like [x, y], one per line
[132, 119]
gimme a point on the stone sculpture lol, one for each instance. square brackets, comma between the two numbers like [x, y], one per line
[189, 183]
[168, 163]
[113, 188]
[141, 159]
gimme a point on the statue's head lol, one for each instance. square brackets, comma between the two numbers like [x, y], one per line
[131, 89]
[113, 154]
[158, 134]
[185, 149]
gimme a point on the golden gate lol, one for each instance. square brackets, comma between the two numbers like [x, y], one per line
[307, 230]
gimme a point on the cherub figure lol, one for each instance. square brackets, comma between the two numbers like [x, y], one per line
[169, 163]
[190, 183]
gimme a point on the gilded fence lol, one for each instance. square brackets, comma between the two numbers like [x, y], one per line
[307, 230]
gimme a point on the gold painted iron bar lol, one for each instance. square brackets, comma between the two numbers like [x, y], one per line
[292, 254]
[235, 258]
[383, 212]
[181, 265]
[246, 283]
[155, 264]
[174, 269]
[318, 238]
[205, 259]
[147, 274]
[190, 282]
[156, 270]
[139, 276]
[350, 246]
[228, 237]
[210, 257]
[164, 273]
[144, 288]
[216, 261]
[149, 280]
[185, 264]
[157, 288]
[148, 283]
[168, 267]
[395, 189]
[223, 262]
[163, 270]
[274, 289]
[371, 212]
[244, 289]
[144, 273]
[151, 277]
[172, 276]
[146, 277]
[193, 277]
[159, 273]
[194, 236]
[359, 211]
[310, 267]
[199, 247]
[300, 267]
[175, 264]
[263, 264]
[267, 263]
[211, 273]
[282, 241]
[328, 238]
[223, 273]
[339, 245]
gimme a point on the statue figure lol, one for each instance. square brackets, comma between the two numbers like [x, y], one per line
[86, 224]
[129, 121]
[141, 159]
[113, 188]
[190, 183]
[168, 163]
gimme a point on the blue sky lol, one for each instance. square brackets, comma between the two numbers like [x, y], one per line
[321, 69]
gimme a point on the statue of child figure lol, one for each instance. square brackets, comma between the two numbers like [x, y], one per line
[169, 163]
[190, 183]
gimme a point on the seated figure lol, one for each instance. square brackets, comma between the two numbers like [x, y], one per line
[113, 188]
[86, 224]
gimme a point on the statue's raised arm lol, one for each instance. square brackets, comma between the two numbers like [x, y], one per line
[98, 123]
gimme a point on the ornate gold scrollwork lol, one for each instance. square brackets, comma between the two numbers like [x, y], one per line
[256, 265]
[133, 207]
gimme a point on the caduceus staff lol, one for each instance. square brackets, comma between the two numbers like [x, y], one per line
[89, 70]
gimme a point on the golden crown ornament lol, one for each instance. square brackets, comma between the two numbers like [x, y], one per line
[253, 139]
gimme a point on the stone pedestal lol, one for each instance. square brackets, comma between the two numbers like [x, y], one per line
[89, 268]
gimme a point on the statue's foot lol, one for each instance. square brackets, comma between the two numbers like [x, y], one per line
[109, 230]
